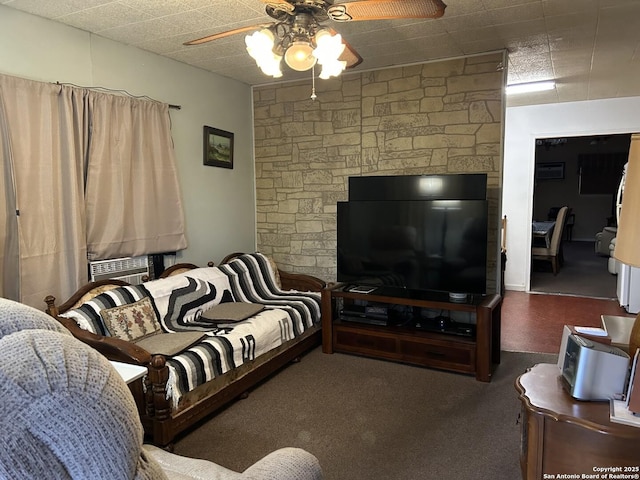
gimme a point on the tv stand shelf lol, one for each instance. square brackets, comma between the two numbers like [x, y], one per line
[471, 353]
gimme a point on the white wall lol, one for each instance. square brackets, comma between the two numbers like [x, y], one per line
[523, 125]
[219, 203]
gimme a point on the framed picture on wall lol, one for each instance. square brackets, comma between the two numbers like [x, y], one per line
[218, 148]
[550, 171]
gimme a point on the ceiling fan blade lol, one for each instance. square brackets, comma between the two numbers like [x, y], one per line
[228, 33]
[385, 9]
[349, 54]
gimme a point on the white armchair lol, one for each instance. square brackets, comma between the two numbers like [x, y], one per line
[612, 265]
[66, 413]
[603, 240]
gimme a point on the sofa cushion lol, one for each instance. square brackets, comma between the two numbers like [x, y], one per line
[169, 344]
[230, 312]
[137, 323]
[131, 321]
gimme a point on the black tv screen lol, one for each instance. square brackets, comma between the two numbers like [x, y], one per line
[433, 245]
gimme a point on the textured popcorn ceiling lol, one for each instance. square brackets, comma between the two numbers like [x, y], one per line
[591, 47]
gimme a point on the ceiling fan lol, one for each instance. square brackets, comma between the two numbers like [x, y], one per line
[297, 34]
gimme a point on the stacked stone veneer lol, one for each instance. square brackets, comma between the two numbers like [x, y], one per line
[434, 118]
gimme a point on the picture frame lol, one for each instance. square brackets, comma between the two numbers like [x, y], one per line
[217, 148]
[550, 171]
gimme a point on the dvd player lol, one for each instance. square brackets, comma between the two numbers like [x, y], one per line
[363, 319]
[356, 313]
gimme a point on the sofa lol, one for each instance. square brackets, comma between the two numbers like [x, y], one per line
[66, 413]
[197, 361]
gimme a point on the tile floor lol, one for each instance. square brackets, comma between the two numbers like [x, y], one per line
[533, 322]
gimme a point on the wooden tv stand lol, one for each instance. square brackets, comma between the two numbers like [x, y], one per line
[408, 341]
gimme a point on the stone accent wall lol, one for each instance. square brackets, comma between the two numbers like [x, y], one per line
[434, 118]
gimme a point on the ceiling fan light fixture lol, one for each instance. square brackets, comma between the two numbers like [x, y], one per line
[328, 50]
[260, 46]
[328, 47]
[332, 69]
[259, 43]
[295, 32]
[299, 56]
[271, 65]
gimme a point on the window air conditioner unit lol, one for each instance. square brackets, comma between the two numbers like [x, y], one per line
[130, 269]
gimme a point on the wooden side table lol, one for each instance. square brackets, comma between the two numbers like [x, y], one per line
[565, 436]
[129, 372]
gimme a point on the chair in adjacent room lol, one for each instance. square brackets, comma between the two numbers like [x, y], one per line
[553, 253]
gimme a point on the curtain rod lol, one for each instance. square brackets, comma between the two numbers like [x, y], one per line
[171, 106]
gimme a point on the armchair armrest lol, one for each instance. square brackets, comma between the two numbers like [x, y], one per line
[283, 464]
[180, 467]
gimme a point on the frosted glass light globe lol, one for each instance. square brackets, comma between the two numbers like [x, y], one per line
[299, 56]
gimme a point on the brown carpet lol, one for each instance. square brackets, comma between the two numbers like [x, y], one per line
[369, 419]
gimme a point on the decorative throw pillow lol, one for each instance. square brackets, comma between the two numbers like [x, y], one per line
[131, 321]
[231, 312]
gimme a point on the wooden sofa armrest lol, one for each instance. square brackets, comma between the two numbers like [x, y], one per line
[231, 256]
[180, 268]
[111, 347]
[90, 289]
[300, 281]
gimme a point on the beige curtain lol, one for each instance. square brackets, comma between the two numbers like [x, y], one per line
[8, 218]
[80, 168]
[43, 130]
[132, 196]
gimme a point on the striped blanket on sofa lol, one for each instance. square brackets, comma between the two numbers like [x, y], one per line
[287, 315]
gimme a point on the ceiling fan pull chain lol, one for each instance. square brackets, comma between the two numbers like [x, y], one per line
[313, 83]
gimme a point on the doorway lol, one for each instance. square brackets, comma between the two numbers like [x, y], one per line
[582, 173]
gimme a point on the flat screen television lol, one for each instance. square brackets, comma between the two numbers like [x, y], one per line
[425, 245]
